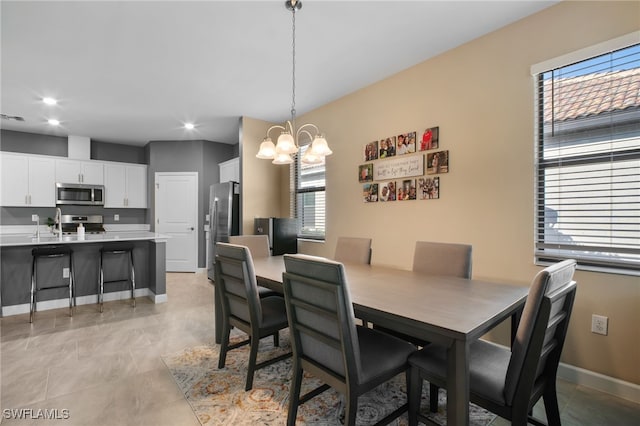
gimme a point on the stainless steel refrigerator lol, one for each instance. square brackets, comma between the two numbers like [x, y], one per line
[224, 218]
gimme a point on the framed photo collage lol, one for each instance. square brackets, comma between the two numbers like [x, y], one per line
[395, 169]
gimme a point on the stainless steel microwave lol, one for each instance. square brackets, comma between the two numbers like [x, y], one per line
[79, 194]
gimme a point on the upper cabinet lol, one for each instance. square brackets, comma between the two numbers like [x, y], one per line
[125, 186]
[230, 170]
[77, 171]
[27, 181]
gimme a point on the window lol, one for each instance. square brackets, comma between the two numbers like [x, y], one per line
[308, 199]
[588, 163]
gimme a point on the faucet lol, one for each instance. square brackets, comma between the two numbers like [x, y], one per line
[58, 222]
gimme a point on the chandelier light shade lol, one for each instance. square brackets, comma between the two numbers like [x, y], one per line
[288, 142]
[320, 146]
[282, 159]
[267, 149]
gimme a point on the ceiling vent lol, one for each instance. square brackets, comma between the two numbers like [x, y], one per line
[11, 117]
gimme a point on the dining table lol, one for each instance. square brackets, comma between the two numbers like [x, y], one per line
[448, 311]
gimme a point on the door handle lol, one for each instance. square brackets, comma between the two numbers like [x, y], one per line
[192, 228]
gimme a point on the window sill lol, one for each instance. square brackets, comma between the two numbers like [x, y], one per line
[311, 240]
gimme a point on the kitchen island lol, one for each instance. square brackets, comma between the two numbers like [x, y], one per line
[15, 273]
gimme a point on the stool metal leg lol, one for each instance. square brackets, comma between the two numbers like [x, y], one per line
[71, 285]
[32, 300]
[133, 279]
[51, 253]
[101, 281]
[132, 274]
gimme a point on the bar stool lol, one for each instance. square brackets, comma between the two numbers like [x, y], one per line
[50, 252]
[113, 250]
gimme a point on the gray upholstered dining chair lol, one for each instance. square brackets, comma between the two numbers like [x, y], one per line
[445, 259]
[258, 246]
[243, 308]
[326, 341]
[448, 259]
[353, 250]
[509, 382]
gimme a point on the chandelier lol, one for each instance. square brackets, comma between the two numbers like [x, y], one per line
[287, 145]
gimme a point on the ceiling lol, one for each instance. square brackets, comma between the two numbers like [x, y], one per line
[131, 72]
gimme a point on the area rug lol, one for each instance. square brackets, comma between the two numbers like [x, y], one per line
[217, 397]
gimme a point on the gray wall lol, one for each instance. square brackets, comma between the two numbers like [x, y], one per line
[198, 156]
[32, 143]
[105, 151]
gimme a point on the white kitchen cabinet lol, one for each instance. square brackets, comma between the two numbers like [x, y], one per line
[230, 170]
[125, 186]
[27, 181]
[77, 171]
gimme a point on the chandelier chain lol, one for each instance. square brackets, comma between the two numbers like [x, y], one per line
[293, 74]
[288, 147]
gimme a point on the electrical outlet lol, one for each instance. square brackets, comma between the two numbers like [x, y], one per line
[65, 272]
[35, 218]
[116, 217]
[599, 324]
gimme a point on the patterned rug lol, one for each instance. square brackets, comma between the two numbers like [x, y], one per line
[217, 397]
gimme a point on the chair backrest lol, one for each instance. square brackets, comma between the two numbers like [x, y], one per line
[320, 314]
[258, 244]
[535, 352]
[235, 281]
[353, 250]
[445, 259]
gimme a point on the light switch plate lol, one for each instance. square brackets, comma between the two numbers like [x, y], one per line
[116, 217]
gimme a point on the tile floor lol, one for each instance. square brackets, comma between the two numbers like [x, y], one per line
[105, 369]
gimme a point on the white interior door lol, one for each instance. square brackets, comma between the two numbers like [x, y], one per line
[177, 216]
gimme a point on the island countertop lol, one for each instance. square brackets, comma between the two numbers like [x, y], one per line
[13, 240]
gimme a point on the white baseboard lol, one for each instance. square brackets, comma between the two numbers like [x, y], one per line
[83, 300]
[611, 385]
[159, 298]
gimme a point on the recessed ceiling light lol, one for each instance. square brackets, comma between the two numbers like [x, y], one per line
[49, 101]
[189, 126]
[53, 122]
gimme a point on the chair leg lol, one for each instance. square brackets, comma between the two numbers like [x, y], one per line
[294, 394]
[519, 418]
[414, 390]
[351, 409]
[276, 339]
[433, 397]
[550, 399]
[253, 356]
[224, 345]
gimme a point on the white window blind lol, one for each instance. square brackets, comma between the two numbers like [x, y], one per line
[588, 163]
[308, 198]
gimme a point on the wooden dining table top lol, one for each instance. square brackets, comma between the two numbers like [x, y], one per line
[454, 307]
